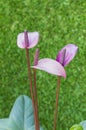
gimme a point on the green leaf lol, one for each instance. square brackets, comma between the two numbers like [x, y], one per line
[4, 124]
[21, 116]
[83, 124]
[76, 127]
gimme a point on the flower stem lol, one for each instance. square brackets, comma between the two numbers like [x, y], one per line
[29, 74]
[35, 88]
[36, 102]
[56, 106]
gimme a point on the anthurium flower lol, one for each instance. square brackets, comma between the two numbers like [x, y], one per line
[67, 54]
[51, 66]
[32, 41]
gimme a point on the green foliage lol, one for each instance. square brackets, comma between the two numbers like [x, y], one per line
[59, 22]
[21, 116]
[81, 126]
[76, 127]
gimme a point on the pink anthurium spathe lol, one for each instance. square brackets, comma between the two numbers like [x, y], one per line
[51, 66]
[28, 40]
[33, 38]
[64, 57]
[67, 54]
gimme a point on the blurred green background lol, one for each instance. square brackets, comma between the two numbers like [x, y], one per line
[59, 22]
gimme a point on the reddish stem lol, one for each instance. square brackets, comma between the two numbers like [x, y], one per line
[57, 92]
[30, 80]
[36, 102]
[35, 88]
[29, 73]
[56, 106]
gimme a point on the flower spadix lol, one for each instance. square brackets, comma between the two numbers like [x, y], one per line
[32, 39]
[67, 54]
[51, 66]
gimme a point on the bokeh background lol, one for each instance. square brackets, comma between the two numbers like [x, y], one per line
[59, 22]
